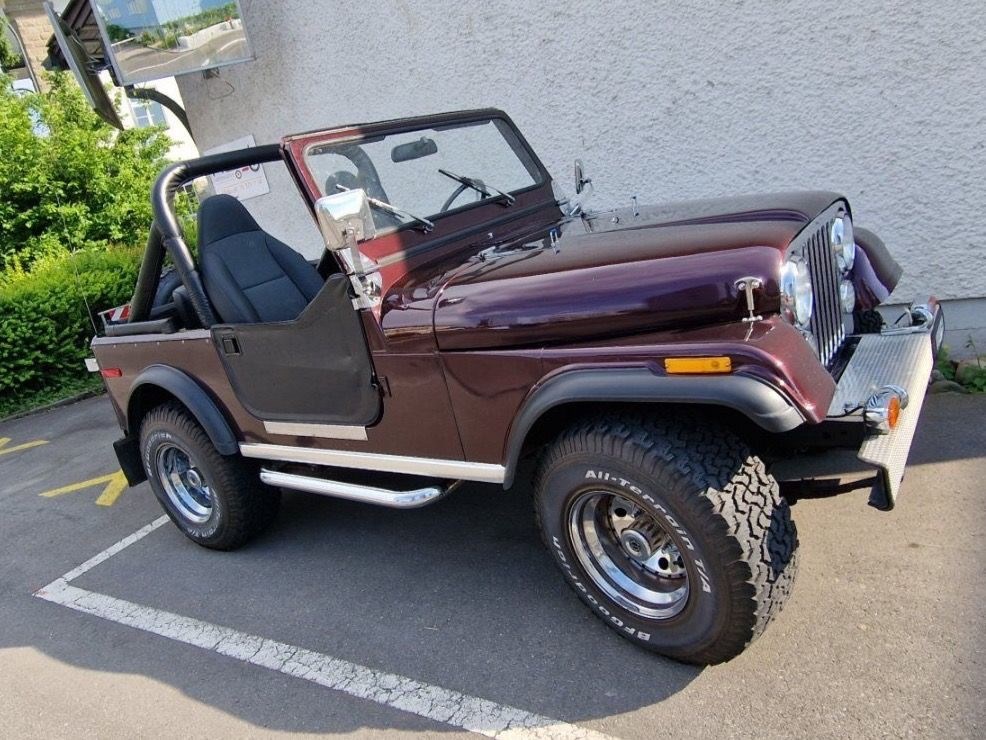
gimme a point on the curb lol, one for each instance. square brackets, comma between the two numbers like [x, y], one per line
[55, 404]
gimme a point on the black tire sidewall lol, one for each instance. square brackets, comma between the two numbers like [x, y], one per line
[155, 435]
[706, 612]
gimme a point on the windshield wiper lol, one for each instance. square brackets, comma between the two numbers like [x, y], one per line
[478, 186]
[384, 206]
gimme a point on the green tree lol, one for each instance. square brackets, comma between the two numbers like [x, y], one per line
[9, 57]
[68, 180]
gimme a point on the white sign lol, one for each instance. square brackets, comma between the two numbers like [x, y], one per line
[244, 182]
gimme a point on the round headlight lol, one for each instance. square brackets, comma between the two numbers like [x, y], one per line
[847, 296]
[843, 241]
[796, 293]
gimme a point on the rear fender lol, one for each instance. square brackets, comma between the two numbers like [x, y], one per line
[147, 387]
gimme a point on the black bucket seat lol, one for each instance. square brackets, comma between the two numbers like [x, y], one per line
[249, 276]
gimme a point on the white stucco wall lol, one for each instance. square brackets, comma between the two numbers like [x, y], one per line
[882, 101]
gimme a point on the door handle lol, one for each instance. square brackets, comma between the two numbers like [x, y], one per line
[230, 346]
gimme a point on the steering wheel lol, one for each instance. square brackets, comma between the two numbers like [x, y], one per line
[344, 178]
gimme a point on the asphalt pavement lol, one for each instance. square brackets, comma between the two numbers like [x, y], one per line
[884, 634]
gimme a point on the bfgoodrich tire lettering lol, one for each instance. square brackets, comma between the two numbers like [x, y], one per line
[705, 497]
[217, 501]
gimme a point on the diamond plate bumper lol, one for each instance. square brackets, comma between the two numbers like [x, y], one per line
[902, 357]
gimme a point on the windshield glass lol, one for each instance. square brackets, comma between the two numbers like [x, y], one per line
[427, 172]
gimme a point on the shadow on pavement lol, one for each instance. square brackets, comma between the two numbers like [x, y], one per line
[461, 595]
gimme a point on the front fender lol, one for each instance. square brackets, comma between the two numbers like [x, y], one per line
[761, 403]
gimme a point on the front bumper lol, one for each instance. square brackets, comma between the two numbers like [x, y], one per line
[901, 357]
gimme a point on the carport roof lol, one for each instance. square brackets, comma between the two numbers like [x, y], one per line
[79, 17]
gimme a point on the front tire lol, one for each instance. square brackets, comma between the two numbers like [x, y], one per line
[217, 501]
[673, 533]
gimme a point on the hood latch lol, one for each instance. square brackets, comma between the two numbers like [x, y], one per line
[748, 285]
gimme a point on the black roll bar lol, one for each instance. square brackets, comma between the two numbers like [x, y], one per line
[148, 277]
[165, 231]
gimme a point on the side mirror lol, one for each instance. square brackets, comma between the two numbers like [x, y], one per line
[583, 189]
[345, 219]
[580, 179]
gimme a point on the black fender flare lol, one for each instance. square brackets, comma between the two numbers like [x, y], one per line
[193, 396]
[761, 403]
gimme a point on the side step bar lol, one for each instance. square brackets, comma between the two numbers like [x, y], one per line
[354, 492]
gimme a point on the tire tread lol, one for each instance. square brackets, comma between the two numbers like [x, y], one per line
[250, 504]
[739, 501]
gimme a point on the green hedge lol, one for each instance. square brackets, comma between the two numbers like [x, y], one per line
[44, 326]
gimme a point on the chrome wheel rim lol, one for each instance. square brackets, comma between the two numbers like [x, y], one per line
[184, 483]
[628, 555]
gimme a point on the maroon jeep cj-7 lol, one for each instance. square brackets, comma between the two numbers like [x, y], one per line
[659, 366]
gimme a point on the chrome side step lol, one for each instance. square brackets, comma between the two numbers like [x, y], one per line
[424, 466]
[355, 492]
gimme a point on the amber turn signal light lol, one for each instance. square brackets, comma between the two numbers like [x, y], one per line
[697, 365]
[893, 412]
[882, 409]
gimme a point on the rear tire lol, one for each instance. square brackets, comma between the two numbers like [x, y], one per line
[217, 501]
[673, 533]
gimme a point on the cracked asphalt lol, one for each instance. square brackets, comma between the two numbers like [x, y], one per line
[884, 634]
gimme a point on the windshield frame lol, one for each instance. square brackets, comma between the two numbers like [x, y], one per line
[300, 146]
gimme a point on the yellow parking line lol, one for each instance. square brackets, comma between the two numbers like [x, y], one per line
[116, 484]
[4, 450]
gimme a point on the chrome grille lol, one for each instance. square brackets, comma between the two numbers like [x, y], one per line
[827, 326]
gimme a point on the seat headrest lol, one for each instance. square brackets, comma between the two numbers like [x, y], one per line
[221, 216]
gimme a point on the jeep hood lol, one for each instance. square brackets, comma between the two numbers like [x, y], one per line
[622, 272]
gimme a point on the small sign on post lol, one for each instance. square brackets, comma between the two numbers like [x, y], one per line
[242, 183]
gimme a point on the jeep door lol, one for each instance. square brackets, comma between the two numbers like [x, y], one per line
[314, 369]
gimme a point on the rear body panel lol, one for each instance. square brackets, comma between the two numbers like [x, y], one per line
[417, 395]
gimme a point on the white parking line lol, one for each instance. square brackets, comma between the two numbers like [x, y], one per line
[389, 689]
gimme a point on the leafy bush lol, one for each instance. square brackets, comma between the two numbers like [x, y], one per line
[68, 184]
[118, 33]
[191, 23]
[78, 183]
[10, 58]
[970, 374]
[944, 364]
[45, 326]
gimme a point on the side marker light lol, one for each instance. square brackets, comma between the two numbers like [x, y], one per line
[697, 365]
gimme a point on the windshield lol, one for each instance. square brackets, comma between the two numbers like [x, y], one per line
[429, 171]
